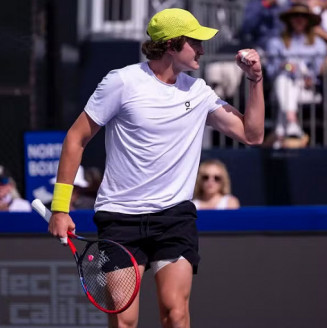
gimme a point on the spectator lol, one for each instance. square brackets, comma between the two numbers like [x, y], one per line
[261, 22]
[213, 187]
[10, 199]
[79, 200]
[294, 63]
[319, 7]
[93, 176]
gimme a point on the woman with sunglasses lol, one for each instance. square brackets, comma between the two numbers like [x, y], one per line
[213, 188]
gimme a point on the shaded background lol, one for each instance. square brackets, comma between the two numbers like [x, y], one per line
[50, 66]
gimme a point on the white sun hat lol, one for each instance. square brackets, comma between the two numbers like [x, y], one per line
[79, 179]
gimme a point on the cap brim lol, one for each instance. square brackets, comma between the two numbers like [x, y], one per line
[202, 33]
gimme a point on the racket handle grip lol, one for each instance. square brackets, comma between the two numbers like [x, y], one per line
[39, 207]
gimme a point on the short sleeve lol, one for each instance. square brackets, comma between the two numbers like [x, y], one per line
[215, 102]
[212, 100]
[106, 100]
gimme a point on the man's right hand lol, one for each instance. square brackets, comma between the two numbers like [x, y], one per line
[59, 224]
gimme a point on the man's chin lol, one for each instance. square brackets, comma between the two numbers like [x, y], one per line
[195, 66]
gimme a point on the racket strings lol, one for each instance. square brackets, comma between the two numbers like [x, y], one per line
[109, 275]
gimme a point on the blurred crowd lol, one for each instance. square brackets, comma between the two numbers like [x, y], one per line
[291, 37]
[212, 190]
[86, 184]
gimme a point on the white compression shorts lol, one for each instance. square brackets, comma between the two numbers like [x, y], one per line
[158, 265]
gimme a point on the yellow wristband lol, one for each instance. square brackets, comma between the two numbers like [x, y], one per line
[62, 194]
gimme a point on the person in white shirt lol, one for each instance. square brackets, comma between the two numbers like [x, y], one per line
[213, 187]
[10, 199]
[154, 115]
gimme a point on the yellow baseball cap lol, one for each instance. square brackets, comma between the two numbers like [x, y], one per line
[174, 22]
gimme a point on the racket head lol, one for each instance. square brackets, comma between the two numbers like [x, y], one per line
[109, 275]
[108, 272]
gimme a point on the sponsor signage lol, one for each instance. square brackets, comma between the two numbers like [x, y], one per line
[42, 153]
[45, 294]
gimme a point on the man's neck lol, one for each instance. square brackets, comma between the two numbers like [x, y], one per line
[163, 70]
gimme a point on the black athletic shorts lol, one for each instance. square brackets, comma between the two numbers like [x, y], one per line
[155, 236]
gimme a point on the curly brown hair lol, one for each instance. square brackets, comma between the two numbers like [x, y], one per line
[156, 49]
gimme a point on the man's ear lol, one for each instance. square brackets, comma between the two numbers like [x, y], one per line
[169, 49]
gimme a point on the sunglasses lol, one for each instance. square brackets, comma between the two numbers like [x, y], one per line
[206, 177]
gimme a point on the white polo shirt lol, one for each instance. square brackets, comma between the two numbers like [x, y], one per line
[153, 137]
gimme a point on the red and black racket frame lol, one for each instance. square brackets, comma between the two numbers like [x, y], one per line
[78, 260]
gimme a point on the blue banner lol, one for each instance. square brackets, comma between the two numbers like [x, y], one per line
[42, 152]
[273, 219]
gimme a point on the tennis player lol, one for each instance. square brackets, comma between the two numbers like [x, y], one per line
[154, 115]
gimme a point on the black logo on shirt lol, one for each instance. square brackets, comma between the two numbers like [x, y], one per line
[188, 105]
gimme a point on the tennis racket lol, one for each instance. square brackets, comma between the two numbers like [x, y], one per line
[108, 272]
